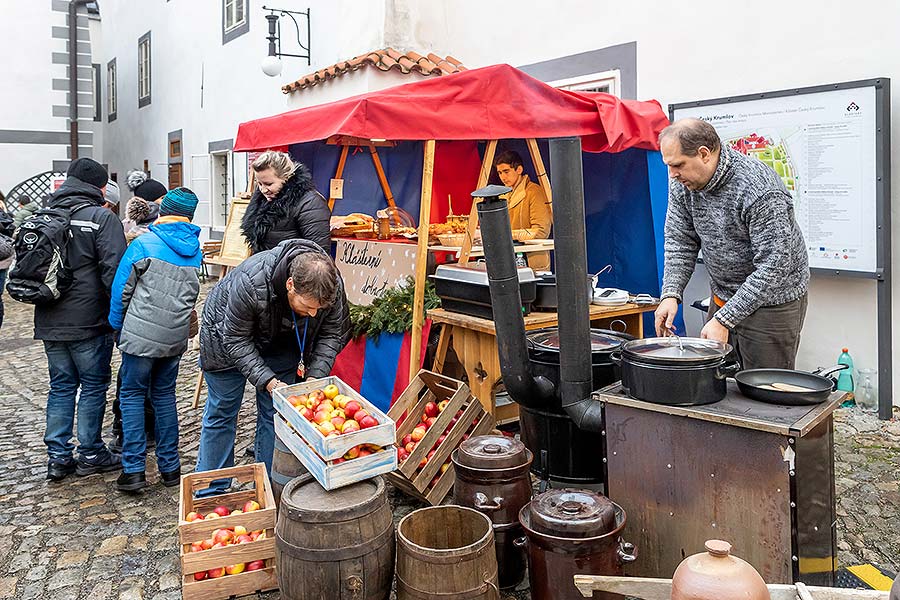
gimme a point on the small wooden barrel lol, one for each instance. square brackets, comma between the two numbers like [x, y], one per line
[337, 544]
[285, 467]
[446, 552]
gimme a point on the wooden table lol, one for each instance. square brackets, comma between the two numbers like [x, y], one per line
[475, 343]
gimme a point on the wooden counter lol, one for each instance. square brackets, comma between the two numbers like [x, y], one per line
[475, 344]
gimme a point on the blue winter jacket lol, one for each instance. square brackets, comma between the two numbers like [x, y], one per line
[155, 289]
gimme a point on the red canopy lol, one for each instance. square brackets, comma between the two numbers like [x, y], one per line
[496, 102]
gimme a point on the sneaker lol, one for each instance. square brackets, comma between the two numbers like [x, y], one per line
[57, 471]
[102, 462]
[170, 478]
[131, 482]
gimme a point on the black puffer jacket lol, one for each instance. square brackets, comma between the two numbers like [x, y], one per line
[247, 321]
[298, 212]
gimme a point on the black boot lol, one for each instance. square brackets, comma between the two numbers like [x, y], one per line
[131, 482]
[170, 478]
[57, 471]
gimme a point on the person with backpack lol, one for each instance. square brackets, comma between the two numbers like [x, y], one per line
[153, 295]
[66, 259]
[27, 207]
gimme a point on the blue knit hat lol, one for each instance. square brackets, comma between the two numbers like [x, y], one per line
[180, 202]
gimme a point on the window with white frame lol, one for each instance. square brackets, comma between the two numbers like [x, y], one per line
[144, 70]
[608, 82]
[235, 19]
[112, 98]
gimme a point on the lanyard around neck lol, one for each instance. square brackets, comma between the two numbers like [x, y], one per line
[300, 343]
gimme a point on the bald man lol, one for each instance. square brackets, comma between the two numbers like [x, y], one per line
[737, 210]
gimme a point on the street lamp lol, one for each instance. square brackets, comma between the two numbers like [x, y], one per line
[271, 64]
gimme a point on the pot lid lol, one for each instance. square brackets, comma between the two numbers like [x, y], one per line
[677, 350]
[601, 341]
[572, 513]
[492, 452]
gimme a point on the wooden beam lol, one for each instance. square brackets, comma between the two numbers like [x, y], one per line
[535, 152]
[349, 140]
[342, 161]
[421, 260]
[386, 188]
[486, 165]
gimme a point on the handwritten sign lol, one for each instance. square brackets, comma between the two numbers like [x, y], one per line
[370, 267]
[234, 246]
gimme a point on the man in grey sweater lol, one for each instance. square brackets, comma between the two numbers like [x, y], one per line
[737, 210]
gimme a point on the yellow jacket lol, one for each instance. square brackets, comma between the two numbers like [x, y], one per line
[531, 218]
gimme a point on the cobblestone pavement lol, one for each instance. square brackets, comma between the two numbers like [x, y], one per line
[82, 539]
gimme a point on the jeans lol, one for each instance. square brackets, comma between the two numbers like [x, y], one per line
[83, 363]
[3, 273]
[157, 376]
[149, 418]
[223, 403]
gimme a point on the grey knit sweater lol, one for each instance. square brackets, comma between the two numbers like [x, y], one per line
[743, 219]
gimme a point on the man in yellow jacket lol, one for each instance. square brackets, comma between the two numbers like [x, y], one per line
[530, 214]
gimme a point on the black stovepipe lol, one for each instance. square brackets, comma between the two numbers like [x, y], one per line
[506, 300]
[575, 375]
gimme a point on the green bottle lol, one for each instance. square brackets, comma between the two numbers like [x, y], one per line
[845, 378]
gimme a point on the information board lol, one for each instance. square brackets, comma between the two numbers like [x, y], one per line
[370, 267]
[824, 144]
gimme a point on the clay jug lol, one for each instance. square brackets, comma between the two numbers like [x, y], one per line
[716, 575]
[895, 589]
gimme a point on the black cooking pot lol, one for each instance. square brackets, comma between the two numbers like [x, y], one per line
[676, 371]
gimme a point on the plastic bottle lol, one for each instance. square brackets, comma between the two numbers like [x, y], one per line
[520, 260]
[845, 378]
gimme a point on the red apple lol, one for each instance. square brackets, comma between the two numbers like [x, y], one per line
[251, 505]
[196, 547]
[235, 569]
[216, 573]
[352, 453]
[350, 426]
[306, 413]
[256, 565]
[351, 407]
[207, 544]
[364, 452]
[321, 416]
[441, 439]
[360, 414]
[317, 396]
[410, 447]
[326, 405]
[338, 422]
[223, 536]
[431, 409]
[418, 433]
[222, 511]
[325, 428]
[430, 421]
[367, 422]
[431, 454]
[200, 575]
[331, 391]
[294, 401]
[402, 454]
[406, 439]
[193, 516]
[219, 545]
[338, 461]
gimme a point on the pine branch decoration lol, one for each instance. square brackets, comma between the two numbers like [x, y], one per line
[392, 311]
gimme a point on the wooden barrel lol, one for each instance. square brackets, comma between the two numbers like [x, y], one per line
[285, 467]
[446, 552]
[337, 544]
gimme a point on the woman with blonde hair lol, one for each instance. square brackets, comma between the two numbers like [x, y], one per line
[285, 205]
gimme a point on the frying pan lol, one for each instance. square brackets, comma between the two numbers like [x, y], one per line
[753, 384]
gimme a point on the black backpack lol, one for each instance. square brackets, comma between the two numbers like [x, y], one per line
[41, 274]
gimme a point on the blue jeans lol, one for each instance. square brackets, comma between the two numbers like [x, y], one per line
[223, 403]
[83, 363]
[157, 376]
[3, 273]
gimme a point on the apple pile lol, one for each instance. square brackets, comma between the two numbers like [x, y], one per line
[331, 412]
[429, 416]
[227, 537]
[357, 452]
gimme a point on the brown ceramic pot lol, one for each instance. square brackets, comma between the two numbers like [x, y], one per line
[715, 574]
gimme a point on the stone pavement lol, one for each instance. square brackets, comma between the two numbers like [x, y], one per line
[82, 539]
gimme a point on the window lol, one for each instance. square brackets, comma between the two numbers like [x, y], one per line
[235, 19]
[608, 82]
[111, 96]
[95, 91]
[144, 70]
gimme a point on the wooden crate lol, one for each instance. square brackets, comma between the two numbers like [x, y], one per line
[407, 412]
[332, 447]
[332, 476]
[247, 582]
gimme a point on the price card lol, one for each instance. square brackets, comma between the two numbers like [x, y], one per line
[337, 188]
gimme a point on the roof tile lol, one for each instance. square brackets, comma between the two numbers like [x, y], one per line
[385, 59]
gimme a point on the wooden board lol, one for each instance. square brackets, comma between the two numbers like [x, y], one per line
[332, 476]
[415, 354]
[332, 447]
[234, 245]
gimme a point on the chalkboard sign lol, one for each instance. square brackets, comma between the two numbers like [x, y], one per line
[234, 246]
[371, 267]
[829, 145]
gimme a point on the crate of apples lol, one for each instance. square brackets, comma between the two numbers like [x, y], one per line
[228, 536]
[332, 417]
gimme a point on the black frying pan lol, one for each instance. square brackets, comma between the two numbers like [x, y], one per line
[756, 384]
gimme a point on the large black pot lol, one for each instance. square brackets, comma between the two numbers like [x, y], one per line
[569, 453]
[676, 371]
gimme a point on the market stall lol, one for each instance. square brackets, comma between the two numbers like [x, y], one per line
[435, 144]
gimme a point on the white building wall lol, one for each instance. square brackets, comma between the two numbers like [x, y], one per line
[692, 51]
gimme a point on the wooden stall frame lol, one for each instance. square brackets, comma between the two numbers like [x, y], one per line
[421, 260]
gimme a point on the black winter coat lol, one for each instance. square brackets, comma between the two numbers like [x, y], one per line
[93, 252]
[298, 212]
[247, 321]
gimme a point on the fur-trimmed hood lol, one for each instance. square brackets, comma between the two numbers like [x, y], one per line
[298, 211]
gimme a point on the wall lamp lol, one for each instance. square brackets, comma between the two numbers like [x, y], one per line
[271, 64]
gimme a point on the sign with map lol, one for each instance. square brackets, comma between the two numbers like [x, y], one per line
[823, 147]
[371, 267]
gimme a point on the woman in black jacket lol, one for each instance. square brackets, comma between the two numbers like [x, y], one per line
[285, 205]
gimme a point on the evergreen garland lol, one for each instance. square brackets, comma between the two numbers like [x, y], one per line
[391, 312]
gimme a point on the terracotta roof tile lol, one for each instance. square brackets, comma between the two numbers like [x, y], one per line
[385, 60]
